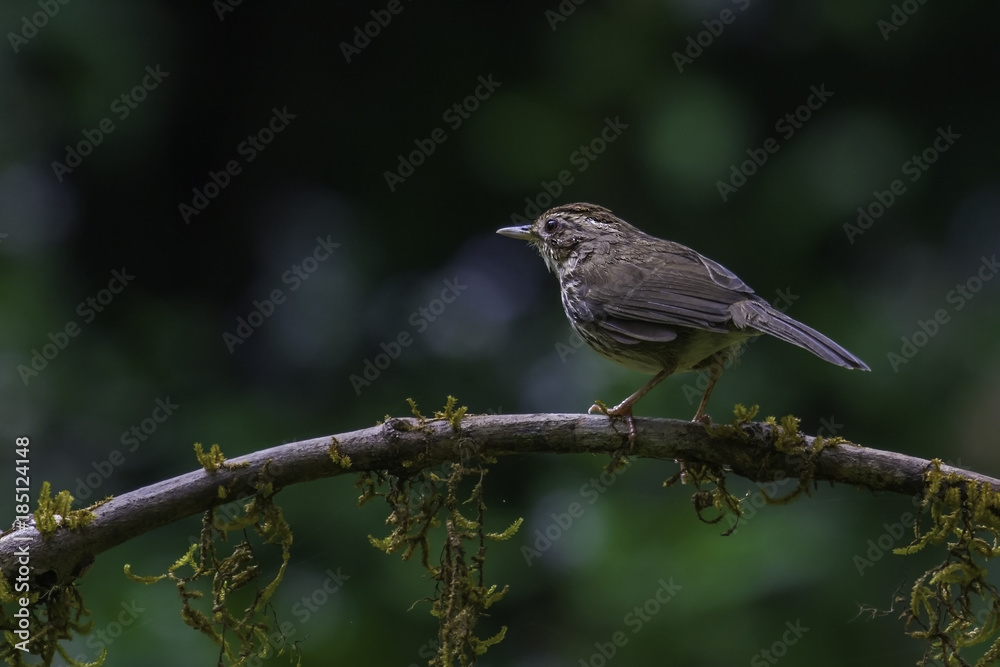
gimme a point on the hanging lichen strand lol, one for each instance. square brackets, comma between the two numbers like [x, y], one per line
[424, 500]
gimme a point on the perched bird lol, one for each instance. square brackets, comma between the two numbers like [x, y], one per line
[655, 306]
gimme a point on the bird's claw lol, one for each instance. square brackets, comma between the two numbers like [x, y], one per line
[616, 412]
[600, 407]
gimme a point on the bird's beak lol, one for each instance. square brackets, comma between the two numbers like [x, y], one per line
[524, 232]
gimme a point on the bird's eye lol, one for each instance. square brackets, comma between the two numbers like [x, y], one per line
[551, 225]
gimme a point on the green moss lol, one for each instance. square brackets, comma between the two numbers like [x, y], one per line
[743, 415]
[717, 497]
[953, 606]
[425, 503]
[55, 512]
[338, 458]
[57, 617]
[214, 458]
[54, 613]
[508, 532]
[792, 443]
[788, 439]
[413, 410]
[450, 413]
[208, 581]
[734, 429]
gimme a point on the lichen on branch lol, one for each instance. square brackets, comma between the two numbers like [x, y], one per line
[421, 500]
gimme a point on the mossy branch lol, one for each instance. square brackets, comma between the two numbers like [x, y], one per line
[759, 451]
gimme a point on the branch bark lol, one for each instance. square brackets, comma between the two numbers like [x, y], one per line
[750, 454]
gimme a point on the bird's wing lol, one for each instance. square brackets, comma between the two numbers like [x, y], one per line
[646, 298]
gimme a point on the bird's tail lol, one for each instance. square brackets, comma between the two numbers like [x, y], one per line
[761, 316]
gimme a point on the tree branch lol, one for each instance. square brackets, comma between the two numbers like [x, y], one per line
[749, 452]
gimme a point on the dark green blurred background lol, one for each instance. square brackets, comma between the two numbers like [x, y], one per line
[501, 346]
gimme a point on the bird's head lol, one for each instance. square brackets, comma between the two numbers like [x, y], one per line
[559, 233]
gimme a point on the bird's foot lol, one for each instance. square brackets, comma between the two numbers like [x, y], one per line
[623, 409]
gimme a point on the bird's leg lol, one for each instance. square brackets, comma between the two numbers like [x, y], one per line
[700, 416]
[624, 409]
